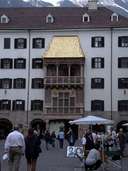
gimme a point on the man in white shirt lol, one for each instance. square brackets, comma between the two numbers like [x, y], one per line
[14, 146]
[94, 158]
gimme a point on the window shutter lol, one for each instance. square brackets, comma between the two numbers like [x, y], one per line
[102, 39]
[102, 82]
[43, 43]
[33, 43]
[23, 104]
[15, 43]
[102, 62]
[25, 43]
[93, 63]
[15, 61]
[102, 105]
[24, 83]
[14, 83]
[13, 105]
[93, 42]
[0, 83]
[24, 63]
[10, 83]
[11, 63]
[2, 63]
[32, 83]
[119, 62]
[119, 41]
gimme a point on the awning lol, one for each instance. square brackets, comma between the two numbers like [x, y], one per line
[64, 47]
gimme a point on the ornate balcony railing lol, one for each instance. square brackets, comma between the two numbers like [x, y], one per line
[64, 110]
[63, 80]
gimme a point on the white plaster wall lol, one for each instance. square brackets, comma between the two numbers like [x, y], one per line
[118, 94]
[85, 40]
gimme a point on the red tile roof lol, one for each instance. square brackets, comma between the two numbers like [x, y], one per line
[65, 18]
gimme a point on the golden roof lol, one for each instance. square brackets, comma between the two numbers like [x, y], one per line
[64, 47]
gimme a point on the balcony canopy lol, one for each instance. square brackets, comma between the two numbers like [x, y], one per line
[64, 47]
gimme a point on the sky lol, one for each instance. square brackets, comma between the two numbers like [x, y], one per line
[51, 1]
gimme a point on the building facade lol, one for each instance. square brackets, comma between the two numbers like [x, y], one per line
[59, 64]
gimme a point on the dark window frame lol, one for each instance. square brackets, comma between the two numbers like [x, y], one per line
[36, 105]
[20, 43]
[38, 43]
[37, 63]
[97, 105]
[122, 105]
[20, 63]
[37, 83]
[123, 62]
[97, 83]
[7, 43]
[97, 62]
[19, 83]
[97, 42]
[5, 83]
[6, 63]
[5, 104]
[123, 41]
[18, 105]
[123, 83]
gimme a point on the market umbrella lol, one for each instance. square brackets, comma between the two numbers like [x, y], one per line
[91, 120]
[126, 124]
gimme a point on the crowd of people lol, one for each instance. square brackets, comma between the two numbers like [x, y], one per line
[17, 145]
[96, 144]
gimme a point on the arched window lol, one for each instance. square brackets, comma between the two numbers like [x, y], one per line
[86, 18]
[4, 19]
[114, 17]
[49, 18]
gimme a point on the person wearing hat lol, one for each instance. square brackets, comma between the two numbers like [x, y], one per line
[14, 147]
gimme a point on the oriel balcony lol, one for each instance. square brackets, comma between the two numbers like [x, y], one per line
[64, 110]
[51, 81]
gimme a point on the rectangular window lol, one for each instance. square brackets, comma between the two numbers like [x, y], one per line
[6, 63]
[7, 43]
[123, 105]
[20, 63]
[97, 62]
[38, 83]
[19, 83]
[5, 104]
[19, 105]
[97, 105]
[123, 62]
[97, 42]
[97, 83]
[37, 105]
[5, 83]
[123, 41]
[37, 63]
[20, 43]
[122, 83]
[38, 43]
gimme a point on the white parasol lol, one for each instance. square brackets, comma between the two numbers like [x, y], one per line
[125, 124]
[91, 120]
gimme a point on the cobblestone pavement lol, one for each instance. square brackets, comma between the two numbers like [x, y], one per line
[55, 160]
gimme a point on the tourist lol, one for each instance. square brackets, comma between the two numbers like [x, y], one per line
[32, 149]
[14, 147]
[61, 138]
[93, 159]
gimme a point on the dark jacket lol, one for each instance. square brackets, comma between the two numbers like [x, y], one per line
[32, 147]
